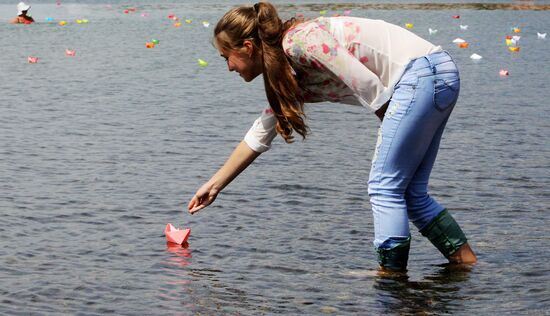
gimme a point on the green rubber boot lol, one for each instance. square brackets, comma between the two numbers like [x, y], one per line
[394, 254]
[444, 233]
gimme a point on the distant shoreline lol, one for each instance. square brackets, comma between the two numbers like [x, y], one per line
[518, 6]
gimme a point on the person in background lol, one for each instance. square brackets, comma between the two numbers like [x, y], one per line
[22, 17]
[409, 83]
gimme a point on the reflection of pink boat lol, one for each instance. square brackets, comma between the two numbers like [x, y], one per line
[177, 236]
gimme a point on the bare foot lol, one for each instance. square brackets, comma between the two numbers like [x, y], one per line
[464, 254]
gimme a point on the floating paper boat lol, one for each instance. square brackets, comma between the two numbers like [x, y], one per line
[463, 45]
[202, 63]
[432, 31]
[463, 27]
[503, 72]
[541, 35]
[409, 25]
[458, 40]
[177, 236]
[32, 60]
[70, 52]
[475, 56]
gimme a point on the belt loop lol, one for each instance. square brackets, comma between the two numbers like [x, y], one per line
[432, 66]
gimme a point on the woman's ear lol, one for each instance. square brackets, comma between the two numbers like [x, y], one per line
[248, 48]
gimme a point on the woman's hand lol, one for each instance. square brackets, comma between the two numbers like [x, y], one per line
[204, 197]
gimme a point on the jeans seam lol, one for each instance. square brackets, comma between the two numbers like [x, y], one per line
[392, 140]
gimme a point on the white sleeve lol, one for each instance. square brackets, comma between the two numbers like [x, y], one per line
[262, 132]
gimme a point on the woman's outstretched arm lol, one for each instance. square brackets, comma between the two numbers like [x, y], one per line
[241, 158]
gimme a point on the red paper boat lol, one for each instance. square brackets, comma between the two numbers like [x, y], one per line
[178, 236]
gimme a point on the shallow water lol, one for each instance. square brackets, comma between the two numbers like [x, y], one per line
[99, 151]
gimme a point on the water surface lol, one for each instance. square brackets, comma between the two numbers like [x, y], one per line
[99, 151]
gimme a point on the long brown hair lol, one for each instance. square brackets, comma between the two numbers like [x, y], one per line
[262, 26]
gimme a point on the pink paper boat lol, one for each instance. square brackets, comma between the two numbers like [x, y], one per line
[32, 60]
[178, 236]
[70, 52]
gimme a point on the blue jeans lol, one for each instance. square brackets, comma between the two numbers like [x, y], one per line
[408, 141]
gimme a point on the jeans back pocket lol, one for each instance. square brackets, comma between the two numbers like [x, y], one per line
[446, 89]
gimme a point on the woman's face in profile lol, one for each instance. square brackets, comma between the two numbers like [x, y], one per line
[245, 61]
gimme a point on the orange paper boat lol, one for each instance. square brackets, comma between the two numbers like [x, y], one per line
[177, 236]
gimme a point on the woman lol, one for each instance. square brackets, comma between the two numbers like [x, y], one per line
[409, 83]
[22, 17]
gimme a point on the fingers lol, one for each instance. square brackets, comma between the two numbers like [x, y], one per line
[193, 202]
[201, 199]
[196, 209]
[196, 204]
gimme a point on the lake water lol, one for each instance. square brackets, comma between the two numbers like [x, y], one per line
[99, 151]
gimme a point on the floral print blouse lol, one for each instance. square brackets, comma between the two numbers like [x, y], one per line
[346, 60]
